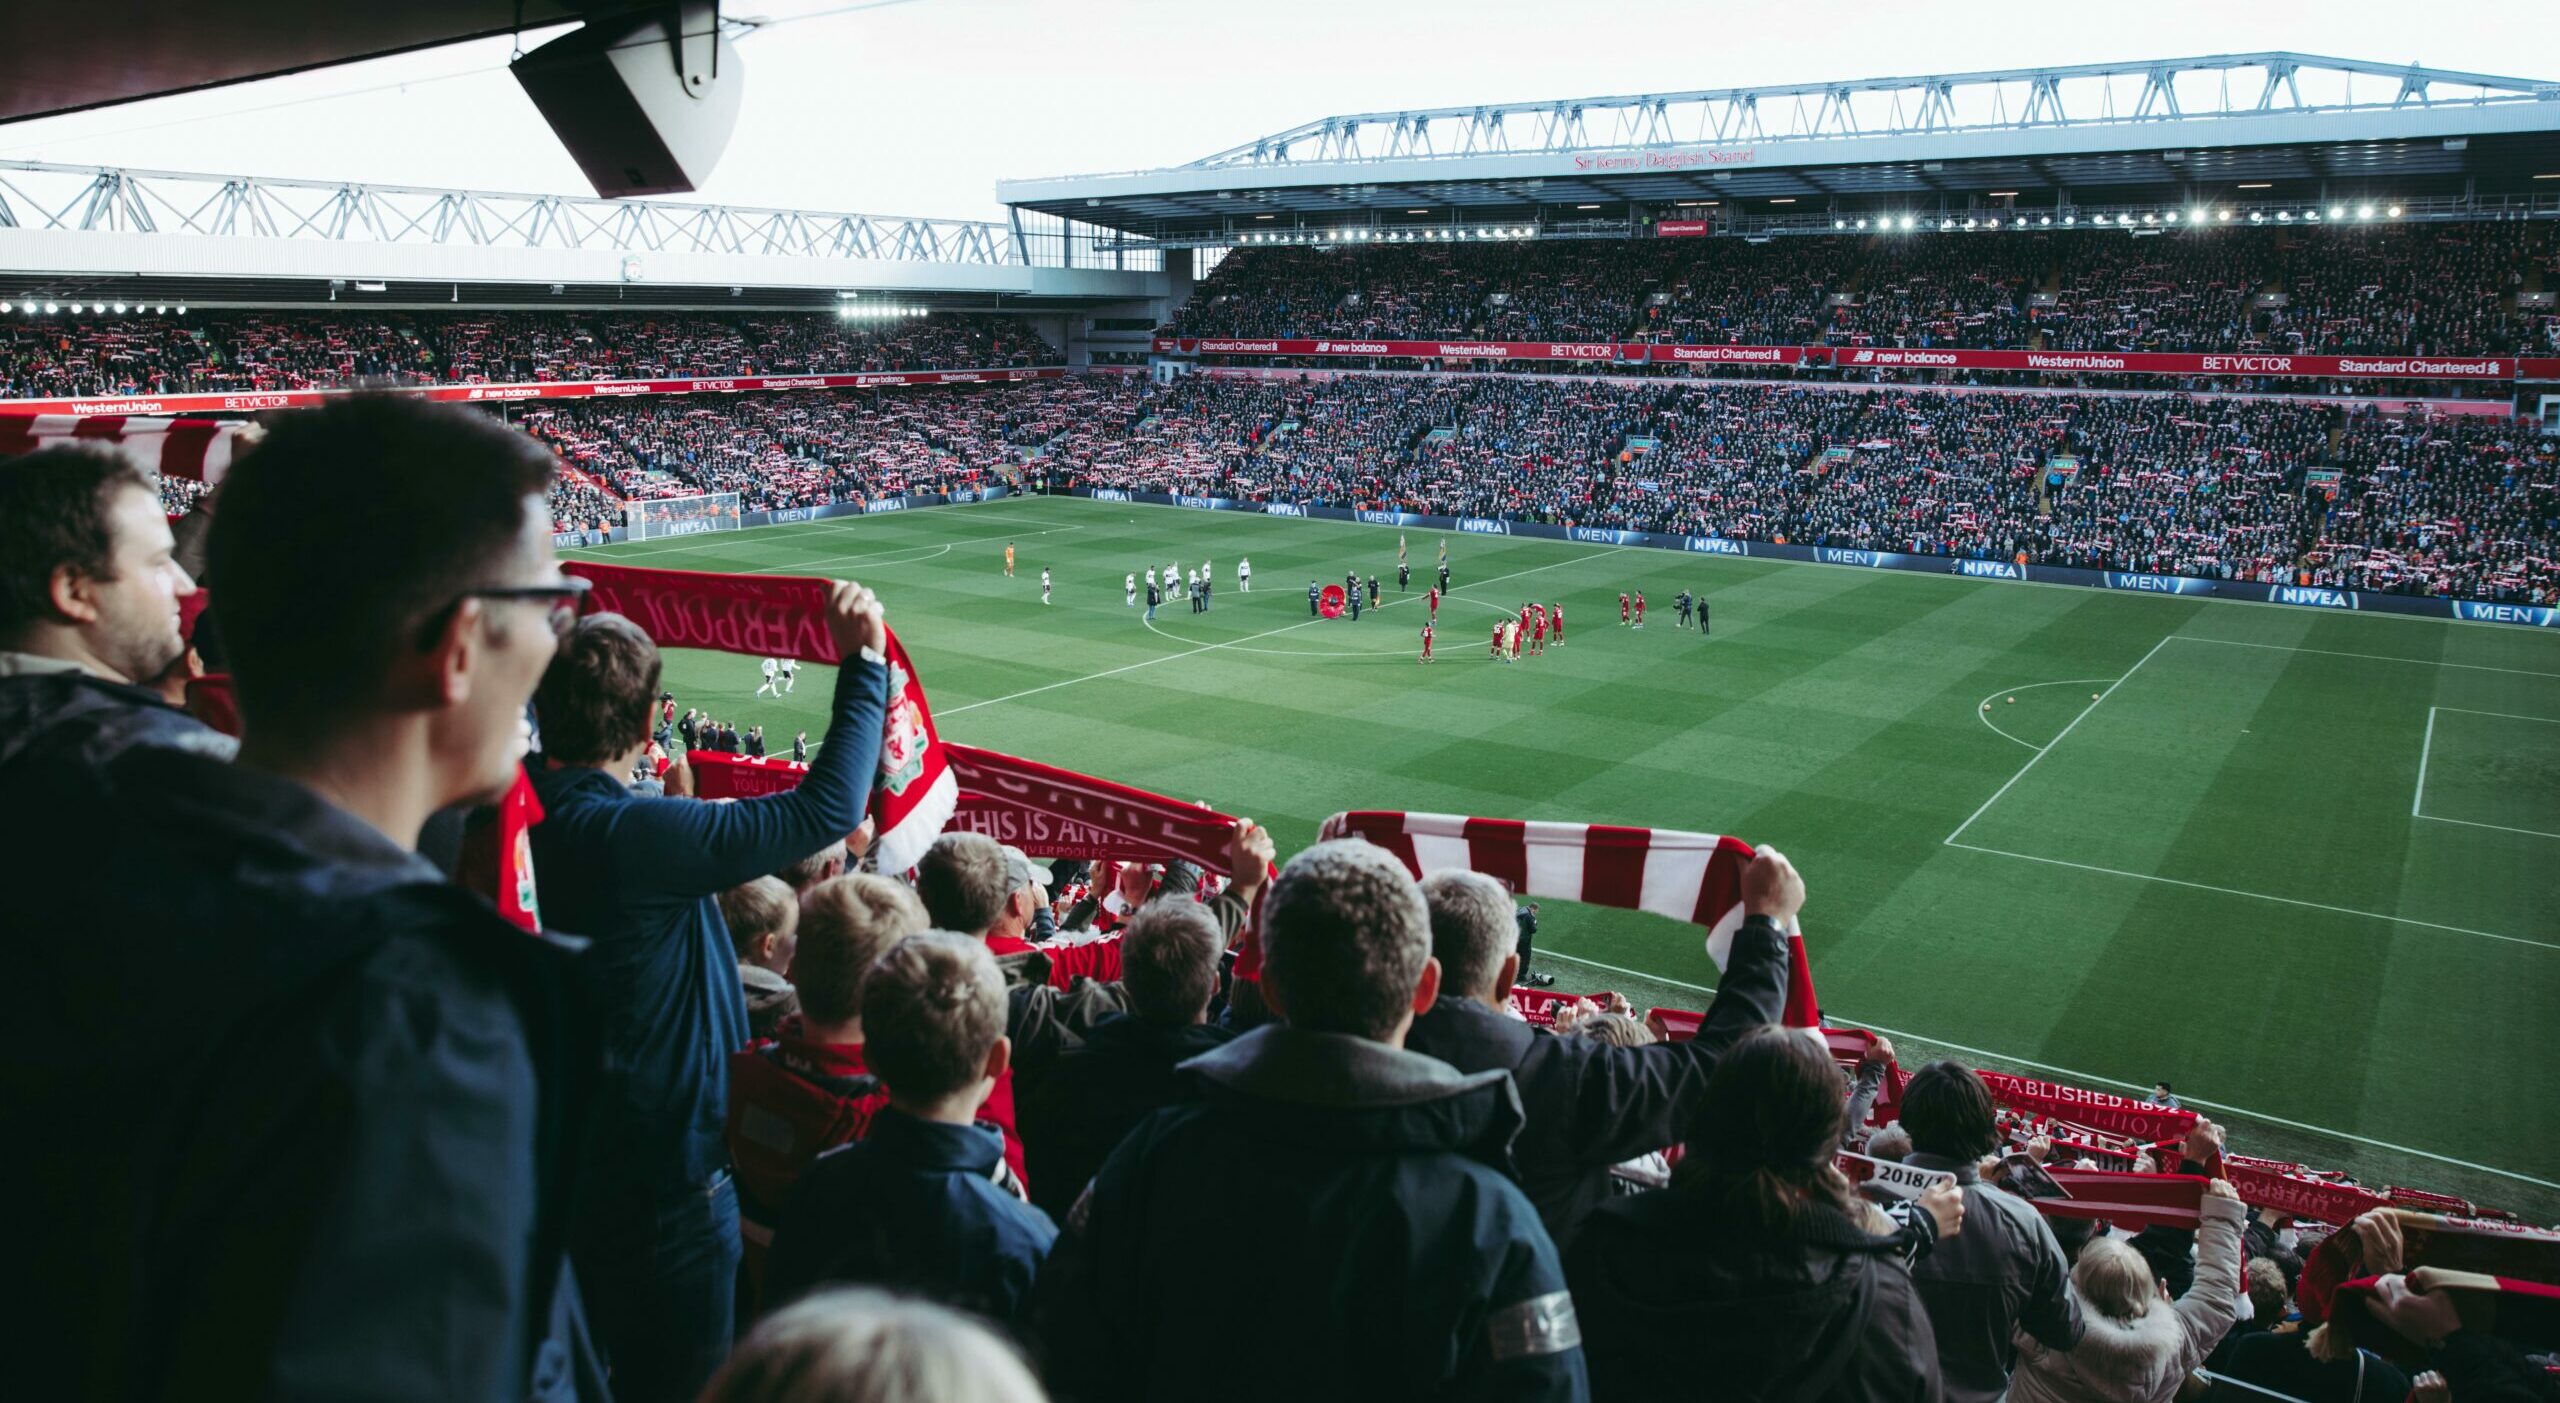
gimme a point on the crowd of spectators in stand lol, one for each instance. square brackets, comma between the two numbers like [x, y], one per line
[417, 1149]
[2212, 487]
[2432, 290]
[799, 449]
[2263, 490]
[230, 351]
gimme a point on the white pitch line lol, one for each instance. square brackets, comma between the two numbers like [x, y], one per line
[2501, 715]
[1248, 638]
[2258, 895]
[2425, 750]
[2375, 657]
[1982, 708]
[2080, 1076]
[2500, 827]
[2057, 740]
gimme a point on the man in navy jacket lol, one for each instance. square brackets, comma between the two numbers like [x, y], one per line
[339, 1161]
[657, 1237]
[1366, 1189]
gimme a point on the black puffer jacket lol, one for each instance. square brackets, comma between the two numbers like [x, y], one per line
[1677, 1304]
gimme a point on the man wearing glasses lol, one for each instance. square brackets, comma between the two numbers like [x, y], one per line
[350, 1167]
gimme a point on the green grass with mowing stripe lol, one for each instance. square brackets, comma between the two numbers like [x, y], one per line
[2223, 874]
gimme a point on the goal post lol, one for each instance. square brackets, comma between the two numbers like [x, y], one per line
[659, 517]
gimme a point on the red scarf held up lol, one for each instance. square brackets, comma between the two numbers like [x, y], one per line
[2099, 1110]
[1690, 877]
[785, 616]
[2127, 1200]
[2428, 1240]
[1042, 809]
[764, 616]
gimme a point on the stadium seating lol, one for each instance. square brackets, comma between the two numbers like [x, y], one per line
[2213, 487]
[2434, 291]
[222, 350]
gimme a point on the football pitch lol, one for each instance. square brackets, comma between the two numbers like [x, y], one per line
[2302, 864]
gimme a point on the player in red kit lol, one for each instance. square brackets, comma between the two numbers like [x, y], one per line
[1537, 629]
[1639, 608]
[1622, 608]
[1555, 615]
[1497, 641]
[1433, 599]
[1426, 642]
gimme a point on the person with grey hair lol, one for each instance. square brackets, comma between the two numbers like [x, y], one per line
[1126, 1068]
[914, 1204]
[860, 1346]
[1389, 1253]
[1590, 1106]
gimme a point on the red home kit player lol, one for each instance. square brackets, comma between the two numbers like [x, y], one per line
[1622, 607]
[1426, 642]
[1555, 616]
[1639, 608]
[1433, 599]
[1537, 628]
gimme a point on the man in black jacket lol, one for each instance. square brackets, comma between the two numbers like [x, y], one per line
[1589, 1104]
[89, 591]
[1386, 1251]
[2005, 1272]
[1125, 1070]
[1526, 918]
[349, 1174]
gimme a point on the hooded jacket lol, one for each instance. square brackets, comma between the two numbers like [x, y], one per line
[1676, 1304]
[1357, 1197]
[303, 1113]
[2143, 1360]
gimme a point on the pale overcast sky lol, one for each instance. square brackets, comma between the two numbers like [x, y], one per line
[919, 106]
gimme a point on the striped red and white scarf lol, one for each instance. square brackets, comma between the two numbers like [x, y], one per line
[1692, 877]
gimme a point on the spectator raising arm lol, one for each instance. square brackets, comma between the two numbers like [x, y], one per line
[693, 846]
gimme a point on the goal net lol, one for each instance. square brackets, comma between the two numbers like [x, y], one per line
[681, 516]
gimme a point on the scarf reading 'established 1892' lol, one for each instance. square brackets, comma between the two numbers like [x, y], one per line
[784, 616]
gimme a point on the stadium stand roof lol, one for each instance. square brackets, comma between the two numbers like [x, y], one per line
[2250, 131]
[160, 47]
[99, 232]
